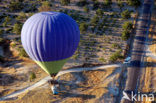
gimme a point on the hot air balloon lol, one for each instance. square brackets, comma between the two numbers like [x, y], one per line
[50, 38]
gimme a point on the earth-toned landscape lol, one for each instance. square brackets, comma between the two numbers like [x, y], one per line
[96, 73]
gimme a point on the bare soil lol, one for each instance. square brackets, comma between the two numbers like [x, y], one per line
[84, 87]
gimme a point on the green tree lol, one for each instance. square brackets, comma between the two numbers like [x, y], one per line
[115, 45]
[65, 2]
[21, 16]
[127, 26]
[86, 9]
[108, 2]
[45, 6]
[95, 5]
[125, 35]
[99, 12]
[120, 4]
[102, 59]
[75, 56]
[126, 14]
[83, 27]
[135, 3]
[22, 52]
[16, 6]
[7, 19]
[17, 28]
[4, 24]
[32, 76]
[115, 56]
[94, 20]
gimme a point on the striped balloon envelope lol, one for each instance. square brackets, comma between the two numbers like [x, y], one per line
[50, 38]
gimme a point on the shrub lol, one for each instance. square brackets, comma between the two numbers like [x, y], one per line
[102, 59]
[114, 57]
[30, 14]
[115, 45]
[95, 5]
[126, 14]
[17, 28]
[86, 9]
[128, 26]
[99, 12]
[125, 35]
[120, 4]
[65, 2]
[108, 2]
[15, 6]
[4, 24]
[135, 3]
[83, 27]
[92, 36]
[32, 76]
[104, 48]
[92, 56]
[114, 14]
[21, 16]
[13, 44]
[7, 19]
[94, 20]
[75, 56]
[45, 6]
[22, 52]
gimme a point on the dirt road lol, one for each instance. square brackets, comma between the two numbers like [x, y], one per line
[138, 49]
[44, 80]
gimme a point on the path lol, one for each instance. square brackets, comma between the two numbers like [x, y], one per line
[44, 80]
[138, 49]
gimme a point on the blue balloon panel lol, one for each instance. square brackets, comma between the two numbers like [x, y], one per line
[50, 36]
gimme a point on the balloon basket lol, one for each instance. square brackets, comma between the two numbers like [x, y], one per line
[54, 90]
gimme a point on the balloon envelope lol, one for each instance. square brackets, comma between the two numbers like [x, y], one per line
[49, 38]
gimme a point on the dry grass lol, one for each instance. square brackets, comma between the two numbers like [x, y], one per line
[150, 70]
[20, 76]
[93, 88]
